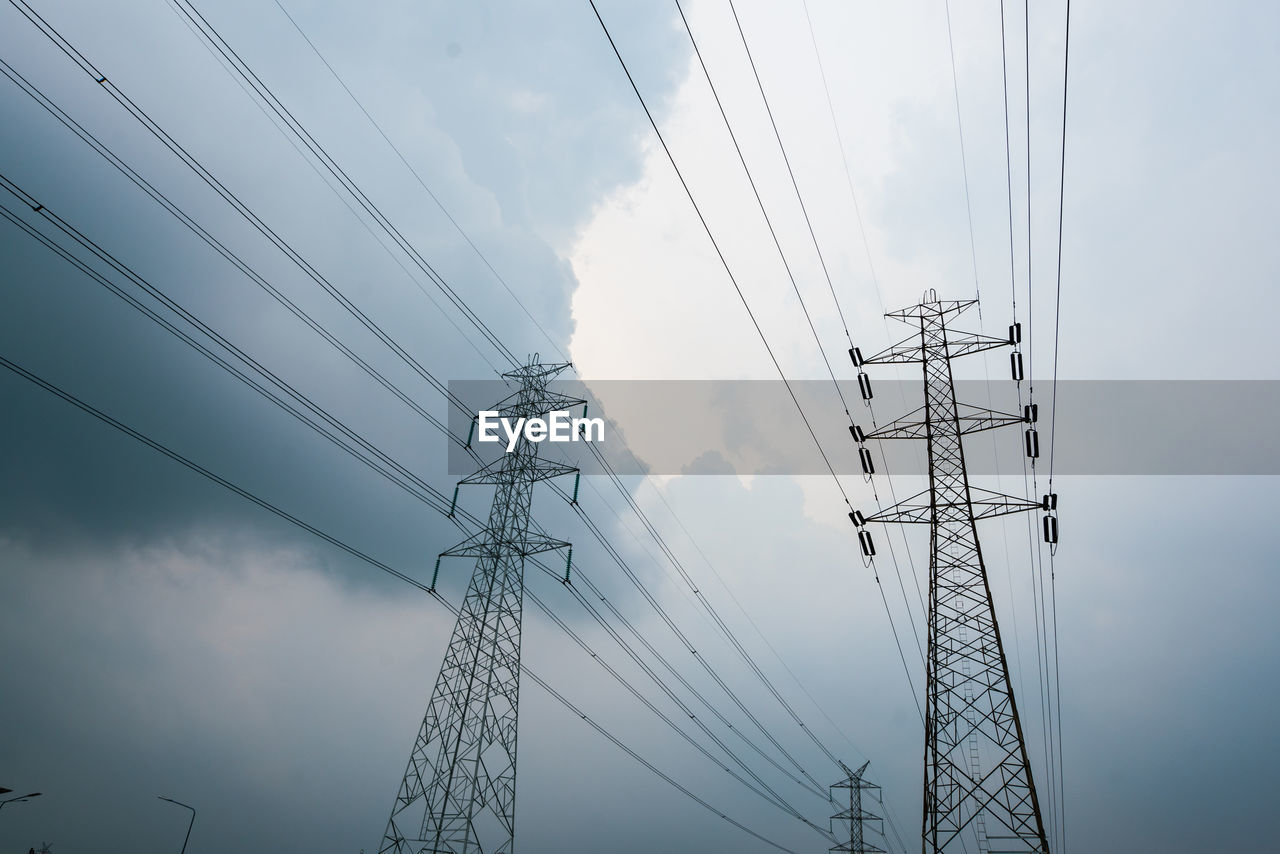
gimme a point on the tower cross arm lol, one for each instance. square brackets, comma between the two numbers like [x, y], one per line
[972, 419]
[917, 510]
[514, 405]
[906, 352]
[499, 471]
[482, 544]
[964, 343]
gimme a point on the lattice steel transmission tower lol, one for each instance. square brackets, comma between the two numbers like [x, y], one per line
[859, 817]
[458, 792]
[977, 776]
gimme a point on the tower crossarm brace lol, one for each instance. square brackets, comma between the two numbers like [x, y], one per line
[912, 350]
[918, 510]
[972, 419]
[977, 782]
[458, 791]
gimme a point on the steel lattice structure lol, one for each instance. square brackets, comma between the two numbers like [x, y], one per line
[857, 816]
[977, 774]
[458, 792]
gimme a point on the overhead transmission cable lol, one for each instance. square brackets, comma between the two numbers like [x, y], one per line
[1053, 410]
[245, 71]
[422, 183]
[964, 160]
[177, 212]
[830, 284]
[728, 270]
[720, 254]
[268, 97]
[433, 196]
[371, 561]
[231, 198]
[1043, 663]
[875, 282]
[1004, 534]
[102, 81]
[394, 472]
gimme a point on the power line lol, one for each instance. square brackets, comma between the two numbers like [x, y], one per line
[217, 186]
[366, 558]
[726, 631]
[420, 489]
[405, 479]
[421, 182]
[1008, 160]
[760, 202]
[691, 647]
[733, 280]
[173, 211]
[844, 159]
[964, 161]
[822, 261]
[431, 497]
[172, 208]
[795, 287]
[219, 247]
[875, 282]
[1053, 409]
[765, 791]
[720, 254]
[268, 97]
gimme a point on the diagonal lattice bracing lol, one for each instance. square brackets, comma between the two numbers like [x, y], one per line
[977, 782]
[458, 791]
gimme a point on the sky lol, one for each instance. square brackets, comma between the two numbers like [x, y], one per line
[164, 636]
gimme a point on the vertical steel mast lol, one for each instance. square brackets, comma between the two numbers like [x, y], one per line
[458, 792]
[977, 780]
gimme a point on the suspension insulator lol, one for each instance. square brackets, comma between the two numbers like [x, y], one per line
[1015, 365]
[864, 385]
[864, 456]
[471, 432]
[864, 539]
[1031, 413]
[855, 354]
[435, 575]
[568, 561]
[454, 504]
[1051, 530]
[856, 517]
[856, 432]
[1049, 502]
[577, 479]
[1015, 334]
[1033, 443]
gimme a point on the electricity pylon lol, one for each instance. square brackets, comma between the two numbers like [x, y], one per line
[857, 816]
[458, 792]
[977, 775]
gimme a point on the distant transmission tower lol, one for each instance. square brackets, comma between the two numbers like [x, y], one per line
[977, 777]
[858, 816]
[458, 792]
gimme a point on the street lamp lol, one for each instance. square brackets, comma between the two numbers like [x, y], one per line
[19, 800]
[189, 824]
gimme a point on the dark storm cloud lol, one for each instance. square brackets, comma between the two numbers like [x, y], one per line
[150, 606]
[161, 636]
[536, 106]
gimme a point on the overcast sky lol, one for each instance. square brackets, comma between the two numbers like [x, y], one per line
[163, 636]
